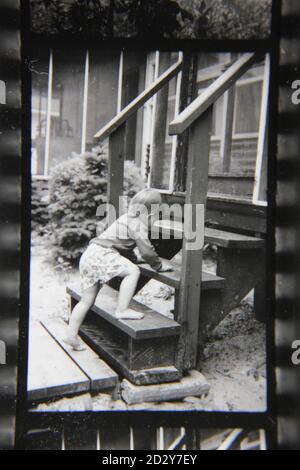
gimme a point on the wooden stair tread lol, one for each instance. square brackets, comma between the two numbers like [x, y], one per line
[51, 372]
[117, 356]
[153, 325]
[172, 278]
[232, 240]
[101, 376]
[215, 236]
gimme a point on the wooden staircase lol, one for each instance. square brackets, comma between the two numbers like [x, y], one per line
[157, 349]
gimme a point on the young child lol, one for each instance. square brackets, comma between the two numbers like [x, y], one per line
[107, 257]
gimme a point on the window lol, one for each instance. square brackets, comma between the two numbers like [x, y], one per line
[57, 124]
[73, 95]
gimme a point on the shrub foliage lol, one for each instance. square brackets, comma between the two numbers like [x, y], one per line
[225, 19]
[77, 187]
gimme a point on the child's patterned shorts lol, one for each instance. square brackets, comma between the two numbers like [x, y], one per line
[99, 264]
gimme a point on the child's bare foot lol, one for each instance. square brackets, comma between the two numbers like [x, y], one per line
[129, 314]
[74, 343]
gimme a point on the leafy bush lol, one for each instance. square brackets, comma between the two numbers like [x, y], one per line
[230, 19]
[39, 207]
[77, 188]
[249, 19]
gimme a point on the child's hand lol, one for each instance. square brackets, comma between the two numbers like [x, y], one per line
[165, 267]
[140, 260]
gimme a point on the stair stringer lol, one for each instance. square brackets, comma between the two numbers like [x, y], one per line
[242, 270]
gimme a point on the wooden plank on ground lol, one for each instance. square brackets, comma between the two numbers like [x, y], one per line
[51, 373]
[153, 325]
[100, 374]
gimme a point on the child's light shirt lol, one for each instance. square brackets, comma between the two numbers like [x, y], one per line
[127, 233]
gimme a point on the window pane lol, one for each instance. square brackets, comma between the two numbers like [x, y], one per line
[243, 156]
[103, 91]
[247, 108]
[67, 105]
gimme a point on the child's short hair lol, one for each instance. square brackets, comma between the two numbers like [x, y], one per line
[144, 199]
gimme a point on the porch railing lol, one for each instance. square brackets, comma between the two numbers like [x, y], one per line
[116, 131]
[139, 101]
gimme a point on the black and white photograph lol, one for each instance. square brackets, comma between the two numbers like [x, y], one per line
[149, 227]
[137, 300]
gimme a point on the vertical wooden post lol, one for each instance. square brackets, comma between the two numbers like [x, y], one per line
[160, 123]
[228, 128]
[116, 168]
[188, 93]
[191, 274]
[49, 112]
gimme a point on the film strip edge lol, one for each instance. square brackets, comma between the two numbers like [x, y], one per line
[287, 326]
[10, 200]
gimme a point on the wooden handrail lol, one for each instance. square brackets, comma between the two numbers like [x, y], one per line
[138, 102]
[212, 93]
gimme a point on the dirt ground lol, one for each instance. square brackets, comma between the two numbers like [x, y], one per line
[234, 360]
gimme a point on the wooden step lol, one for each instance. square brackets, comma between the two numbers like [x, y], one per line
[118, 352]
[153, 325]
[172, 278]
[214, 236]
[100, 375]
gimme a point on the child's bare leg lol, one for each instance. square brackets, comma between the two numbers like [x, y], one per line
[78, 315]
[130, 279]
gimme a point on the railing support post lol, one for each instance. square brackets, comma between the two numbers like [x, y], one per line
[196, 193]
[116, 159]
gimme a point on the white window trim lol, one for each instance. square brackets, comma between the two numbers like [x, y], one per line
[85, 102]
[120, 83]
[148, 113]
[262, 134]
[49, 115]
[175, 137]
[156, 74]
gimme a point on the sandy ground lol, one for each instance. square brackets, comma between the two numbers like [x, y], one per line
[234, 360]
